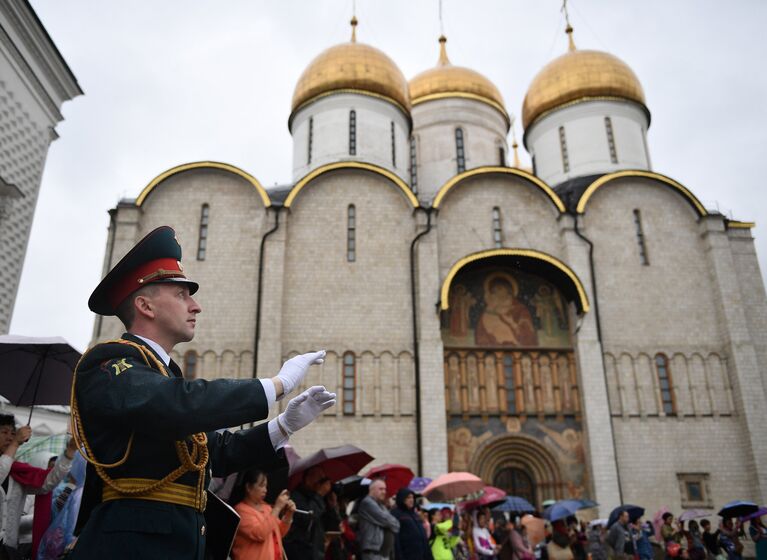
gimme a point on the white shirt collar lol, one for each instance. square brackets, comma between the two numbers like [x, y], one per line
[157, 348]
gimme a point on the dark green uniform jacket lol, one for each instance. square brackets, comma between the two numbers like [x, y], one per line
[117, 393]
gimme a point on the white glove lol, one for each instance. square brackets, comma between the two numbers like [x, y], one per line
[294, 370]
[303, 409]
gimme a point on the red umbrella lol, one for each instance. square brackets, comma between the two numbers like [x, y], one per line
[337, 463]
[490, 497]
[452, 486]
[396, 476]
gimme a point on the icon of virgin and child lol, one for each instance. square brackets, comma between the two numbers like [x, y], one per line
[491, 309]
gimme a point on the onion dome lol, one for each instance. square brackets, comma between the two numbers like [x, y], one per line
[352, 68]
[577, 76]
[446, 80]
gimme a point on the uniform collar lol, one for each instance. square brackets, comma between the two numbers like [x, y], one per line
[159, 350]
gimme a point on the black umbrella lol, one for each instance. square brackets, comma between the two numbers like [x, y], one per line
[738, 508]
[36, 370]
[635, 512]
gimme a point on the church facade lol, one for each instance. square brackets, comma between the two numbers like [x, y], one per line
[585, 328]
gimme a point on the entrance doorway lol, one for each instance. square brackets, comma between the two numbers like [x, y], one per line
[516, 482]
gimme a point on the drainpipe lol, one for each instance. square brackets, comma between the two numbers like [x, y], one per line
[599, 338]
[416, 351]
[260, 289]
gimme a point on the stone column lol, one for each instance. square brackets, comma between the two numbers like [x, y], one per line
[742, 363]
[432, 390]
[598, 431]
[122, 238]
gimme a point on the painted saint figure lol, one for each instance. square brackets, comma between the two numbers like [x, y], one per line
[506, 321]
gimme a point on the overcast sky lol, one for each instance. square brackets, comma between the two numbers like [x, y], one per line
[173, 81]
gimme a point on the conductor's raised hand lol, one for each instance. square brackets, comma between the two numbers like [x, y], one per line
[294, 370]
[303, 409]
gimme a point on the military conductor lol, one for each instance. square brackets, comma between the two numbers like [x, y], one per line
[149, 435]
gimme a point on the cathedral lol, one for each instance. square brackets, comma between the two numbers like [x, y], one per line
[585, 328]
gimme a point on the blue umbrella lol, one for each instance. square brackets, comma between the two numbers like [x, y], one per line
[515, 503]
[562, 509]
[738, 508]
[418, 484]
[635, 512]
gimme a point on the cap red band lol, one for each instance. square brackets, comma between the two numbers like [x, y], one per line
[147, 273]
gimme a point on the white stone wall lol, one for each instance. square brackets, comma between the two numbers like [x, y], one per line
[361, 306]
[434, 124]
[586, 138]
[225, 328]
[529, 218]
[34, 83]
[687, 305]
[330, 134]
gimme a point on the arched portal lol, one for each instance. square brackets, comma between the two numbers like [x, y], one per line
[522, 466]
[511, 377]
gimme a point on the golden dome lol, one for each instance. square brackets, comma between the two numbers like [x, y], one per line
[446, 80]
[352, 67]
[579, 75]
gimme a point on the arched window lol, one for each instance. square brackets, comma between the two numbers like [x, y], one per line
[350, 382]
[665, 385]
[497, 232]
[190, 365]
[460, 152]
[508, 378]
[501, 156]
[202, 240]
[309, 143]
[393, 147]
[563, 148]
[413, 167]
[640, 238]
[351, 234]
[352, 132]
[611, 140]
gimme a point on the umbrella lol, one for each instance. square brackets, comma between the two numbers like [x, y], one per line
[53, 444]
[598, 522]
[693, 514]
[562, 509]
[738, 508]
[585, 504]
[452, 486]
[418, 484]
[491, 496]
[515, 504]
[758, 513]
[36, 370]
[337, 463]
[635, 512]
[438, 505]
[536, 530]
[396, 476]
[352, 487]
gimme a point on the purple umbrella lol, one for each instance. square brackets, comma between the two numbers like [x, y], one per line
[36, 370]
[758, 513]
[418, 484]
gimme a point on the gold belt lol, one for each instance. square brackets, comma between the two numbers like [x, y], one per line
[171, 493]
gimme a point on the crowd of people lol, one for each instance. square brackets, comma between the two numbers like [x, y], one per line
[56, 500]
[320, 521]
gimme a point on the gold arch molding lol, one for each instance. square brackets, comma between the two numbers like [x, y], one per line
[489, 170]
[309, 177]
[521, 451]
[582, 299]
[668, 181]
[204, 165]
